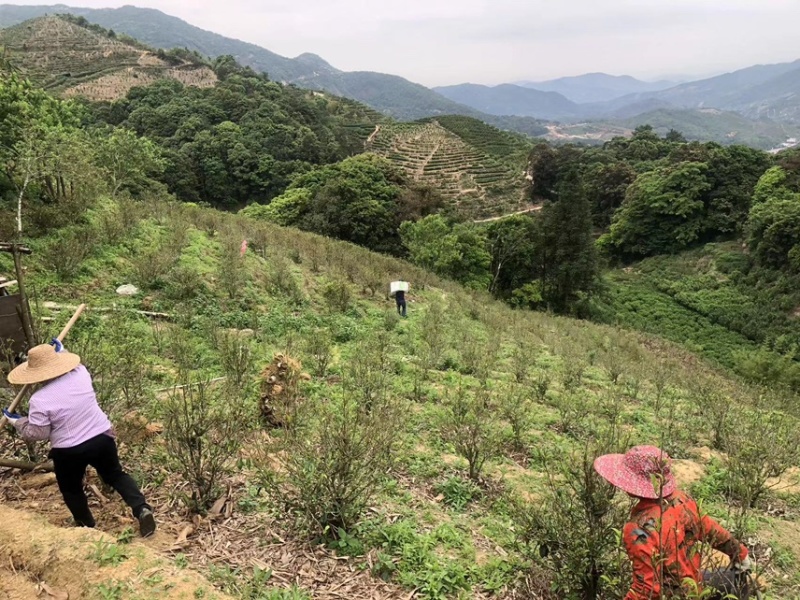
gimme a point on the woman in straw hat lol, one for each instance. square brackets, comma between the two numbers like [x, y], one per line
[64, 410]
[664, 528]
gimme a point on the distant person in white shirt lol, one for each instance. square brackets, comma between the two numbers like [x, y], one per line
[398, 290]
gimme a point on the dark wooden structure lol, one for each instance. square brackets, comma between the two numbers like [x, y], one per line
[16, 323]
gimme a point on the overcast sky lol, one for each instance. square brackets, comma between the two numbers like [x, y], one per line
[440, 42]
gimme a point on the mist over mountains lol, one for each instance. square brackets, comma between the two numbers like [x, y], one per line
[765, 94]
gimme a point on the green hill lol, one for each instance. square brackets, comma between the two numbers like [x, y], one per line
[716, 126]
[75, 60]
[296, 437]
[708, 300]
[555, 388]
[478, 168]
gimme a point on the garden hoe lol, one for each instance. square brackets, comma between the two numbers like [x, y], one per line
[26, 388]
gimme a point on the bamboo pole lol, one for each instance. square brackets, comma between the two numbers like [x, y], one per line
[25, 465]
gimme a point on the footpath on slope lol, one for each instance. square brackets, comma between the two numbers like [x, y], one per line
[39, 560]
[37, 538]
[514, 214]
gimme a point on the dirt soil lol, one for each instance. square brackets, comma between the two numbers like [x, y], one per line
[40, 560]
[37, 538]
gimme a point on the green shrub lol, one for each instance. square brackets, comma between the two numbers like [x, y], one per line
[467, 423]
[336, 458]
[572, 530]
[338, 296]
[203, 431]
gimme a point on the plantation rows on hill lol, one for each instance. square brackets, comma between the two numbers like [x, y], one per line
[63, 56]
[473, 165]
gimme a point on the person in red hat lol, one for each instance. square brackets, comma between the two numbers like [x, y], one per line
[664, 529]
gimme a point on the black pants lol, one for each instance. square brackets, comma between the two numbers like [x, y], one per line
[726, 584]
[401, 307]
[70, 467]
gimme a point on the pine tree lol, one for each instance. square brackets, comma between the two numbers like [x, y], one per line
[568, 257]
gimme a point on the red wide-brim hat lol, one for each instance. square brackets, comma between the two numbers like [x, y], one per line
[643, 471]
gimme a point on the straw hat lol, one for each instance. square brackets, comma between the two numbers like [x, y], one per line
[643, 471]
[43, 363]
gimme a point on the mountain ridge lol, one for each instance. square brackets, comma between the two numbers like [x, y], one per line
[390, 94]
[595, 87]
[509, 99]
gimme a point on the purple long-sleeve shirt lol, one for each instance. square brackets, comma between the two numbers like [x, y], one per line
[65, 410]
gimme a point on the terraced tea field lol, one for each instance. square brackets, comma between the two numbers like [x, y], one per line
[482, 176]
[70, 59]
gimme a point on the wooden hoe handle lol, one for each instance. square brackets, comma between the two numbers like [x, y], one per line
[60, 338]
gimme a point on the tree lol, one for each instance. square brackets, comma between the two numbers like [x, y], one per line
[675, 136]
[606, 186]
[127, 160]
[663, 211]
[733, 174]
[567, 254]
[287, 209]
[511, 243]
[773, 232]
[772, 186]
[458, 252]
[355, 200]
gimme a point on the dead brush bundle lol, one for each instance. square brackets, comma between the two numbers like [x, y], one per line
[280, 391]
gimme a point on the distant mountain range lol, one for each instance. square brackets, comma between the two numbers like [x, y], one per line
[760, 92]
[511, 99]
[389, 94]
[596, 87]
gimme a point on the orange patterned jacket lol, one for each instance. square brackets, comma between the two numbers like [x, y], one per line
[660, 540]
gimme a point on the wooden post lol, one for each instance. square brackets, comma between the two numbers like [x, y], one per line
[17, 250]
[27, 319]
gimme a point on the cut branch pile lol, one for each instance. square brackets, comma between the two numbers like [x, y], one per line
[280, 390]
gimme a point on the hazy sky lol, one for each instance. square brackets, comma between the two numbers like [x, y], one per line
[439, 42]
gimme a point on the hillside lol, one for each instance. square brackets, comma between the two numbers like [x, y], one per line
[296, 437]
[389, 94]
[74, 60]
[713, 125]
[511, 100]
[430, 528]
[596, 87]
[479, 169]
[755, 92]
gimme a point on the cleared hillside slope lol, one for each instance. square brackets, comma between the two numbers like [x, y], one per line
[72, 60]
[428, 530]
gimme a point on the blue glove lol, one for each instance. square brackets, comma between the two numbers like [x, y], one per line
[57, 345]
[12, 418]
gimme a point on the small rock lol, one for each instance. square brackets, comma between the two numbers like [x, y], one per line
[127, 290]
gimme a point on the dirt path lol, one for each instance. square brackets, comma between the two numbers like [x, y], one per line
[81, 563]
[514, 214]
[37, 539]
[372, 135]
[420, 171]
